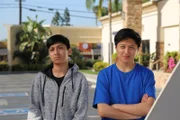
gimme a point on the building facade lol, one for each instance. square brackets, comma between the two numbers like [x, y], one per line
[160, 28]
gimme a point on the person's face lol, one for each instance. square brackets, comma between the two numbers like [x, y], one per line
[59, 53]
[126, 50]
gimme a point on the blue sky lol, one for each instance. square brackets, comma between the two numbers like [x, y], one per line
[11, 15]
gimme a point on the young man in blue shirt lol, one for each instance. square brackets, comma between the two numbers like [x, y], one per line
[125, 90]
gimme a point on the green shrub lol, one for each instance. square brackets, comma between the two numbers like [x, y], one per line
[3, 62]
[4, 67]
[19, 67]
[28, 67]
[35, 67]
[136, 59]
[144, 59]
[89, 63]
[98, 66]
[81, 64]
[114, 57]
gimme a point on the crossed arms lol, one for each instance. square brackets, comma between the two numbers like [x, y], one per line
[126, 111]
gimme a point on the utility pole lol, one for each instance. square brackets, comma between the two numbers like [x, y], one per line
[110, 33]
[20, 10]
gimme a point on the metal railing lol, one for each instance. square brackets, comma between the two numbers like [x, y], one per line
[157, 64]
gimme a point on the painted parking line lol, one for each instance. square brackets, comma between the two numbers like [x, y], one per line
[20, 111]
[93, 116]
[21, 94]
[3, 102]
[15, 111]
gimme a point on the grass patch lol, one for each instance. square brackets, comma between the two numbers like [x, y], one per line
[89, 72]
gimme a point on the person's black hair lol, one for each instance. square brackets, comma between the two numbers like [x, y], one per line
[127, 33]
[58, 38]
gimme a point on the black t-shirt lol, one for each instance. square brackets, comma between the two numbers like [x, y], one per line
[48, 71]
[58, 80]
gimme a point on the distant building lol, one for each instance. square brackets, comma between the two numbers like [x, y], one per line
[3, 51]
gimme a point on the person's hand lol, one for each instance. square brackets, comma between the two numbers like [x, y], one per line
[144, 98]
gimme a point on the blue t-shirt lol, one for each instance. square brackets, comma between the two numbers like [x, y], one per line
[116, 87]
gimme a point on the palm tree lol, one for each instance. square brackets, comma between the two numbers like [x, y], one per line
[31, 41]
[101, 10]
[90, 5]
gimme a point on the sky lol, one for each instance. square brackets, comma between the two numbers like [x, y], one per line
[9, 12]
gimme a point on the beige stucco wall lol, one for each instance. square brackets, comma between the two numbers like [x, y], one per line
[149, 29]
[12, 31]
[171, 39]
[149, 7]
[79, 34]
[169, 12]
[170, 15]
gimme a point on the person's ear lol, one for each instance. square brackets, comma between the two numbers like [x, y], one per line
[69, 51]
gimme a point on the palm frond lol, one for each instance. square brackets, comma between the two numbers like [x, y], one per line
[30, 39]
[40, 23]
[90, 4]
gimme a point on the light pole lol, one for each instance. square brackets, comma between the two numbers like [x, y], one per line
[110, 33]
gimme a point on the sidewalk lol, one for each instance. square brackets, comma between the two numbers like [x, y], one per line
[91, 77]
[161, 78]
